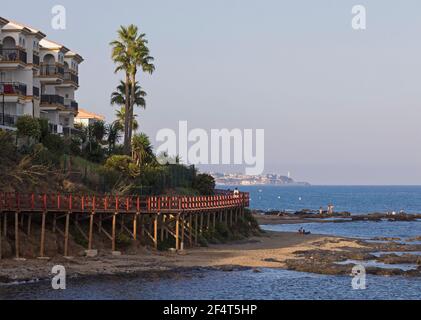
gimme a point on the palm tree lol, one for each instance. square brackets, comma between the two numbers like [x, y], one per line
[121, 115]
[114, 130]
[129, 52]
[143, 60]
[98, 131]
[122, 52]
[142, 150]
[118, 98]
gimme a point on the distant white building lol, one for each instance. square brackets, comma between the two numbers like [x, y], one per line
[87, 118]
[38, 77]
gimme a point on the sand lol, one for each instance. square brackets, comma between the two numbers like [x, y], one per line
[267, 251]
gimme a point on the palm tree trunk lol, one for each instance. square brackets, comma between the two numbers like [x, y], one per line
[127, 119]
[132, 103]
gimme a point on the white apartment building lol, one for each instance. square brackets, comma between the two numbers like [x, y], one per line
[86, 118]
[38, 77]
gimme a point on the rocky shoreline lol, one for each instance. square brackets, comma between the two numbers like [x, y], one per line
[319, 254]
[341, 262]
[307, 216]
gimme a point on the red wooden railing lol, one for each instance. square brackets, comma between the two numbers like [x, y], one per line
[114, 203]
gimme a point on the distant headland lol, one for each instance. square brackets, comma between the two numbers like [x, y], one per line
[238, 179]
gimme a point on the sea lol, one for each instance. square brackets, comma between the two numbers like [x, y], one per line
[354, 199]
[270, 284]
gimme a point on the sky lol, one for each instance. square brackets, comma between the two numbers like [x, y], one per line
[338, 106]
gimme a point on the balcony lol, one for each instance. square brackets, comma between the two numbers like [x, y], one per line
[71, 104]
[35, 60]
[13, 55]
[52, 128]
[68, 132]
[35, 92]
[52, 99]
[13, 88]
[71, 77]
[54, 71]
[8, 120]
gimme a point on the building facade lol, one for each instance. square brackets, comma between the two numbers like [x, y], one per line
[86, 118]
[38, 77]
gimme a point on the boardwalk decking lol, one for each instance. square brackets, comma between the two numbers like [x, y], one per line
[149, 219]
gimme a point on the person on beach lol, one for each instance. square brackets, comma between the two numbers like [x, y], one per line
[321, 210]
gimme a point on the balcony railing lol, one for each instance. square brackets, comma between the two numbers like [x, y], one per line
[71, 104]
[13, 55]
[8, 120]
[35, 91]
[52, 99]
[52, 70]
[35, 60]
[69, 76]
[67, 131]
[13, 88]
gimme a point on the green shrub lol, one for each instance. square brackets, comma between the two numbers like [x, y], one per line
[43, 124]
[166, 244]
[203, 242]
[55, 143]
[123, 240]
[204, 183]
[119, 163]
[28, 127]
[94, 152]
[75, 146]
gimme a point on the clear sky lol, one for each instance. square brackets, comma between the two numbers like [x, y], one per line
[338, 106]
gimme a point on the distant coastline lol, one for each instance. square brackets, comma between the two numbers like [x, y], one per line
[292, 184]
[235, 179]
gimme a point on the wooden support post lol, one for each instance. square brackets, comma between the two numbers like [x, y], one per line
[221, 216]
[231, 218]
[113, 232]
[100, 223]
[54, 222]
[22, 220]
[29, 224]
[196, 225]
[214, 220]
[1, 236]
[91, 229]
[155, 231]
[122, 223]
[17, 234]
[142, 227]
[177, 232]
[135, 226]
[41, 250]
[151, 225]
[201, 223]
[190, 229]
[163, 218]
[183, 223]
[5, 225]
[208, 221]
[66, 235]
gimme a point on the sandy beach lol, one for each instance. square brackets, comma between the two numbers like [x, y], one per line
[270, 250]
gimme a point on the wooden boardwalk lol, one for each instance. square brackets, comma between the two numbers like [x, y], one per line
[148, 219]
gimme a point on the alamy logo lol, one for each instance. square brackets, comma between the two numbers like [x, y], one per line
[58, 22]
[359, 20]
[359, 277]
[59, 280]
[220, 146]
